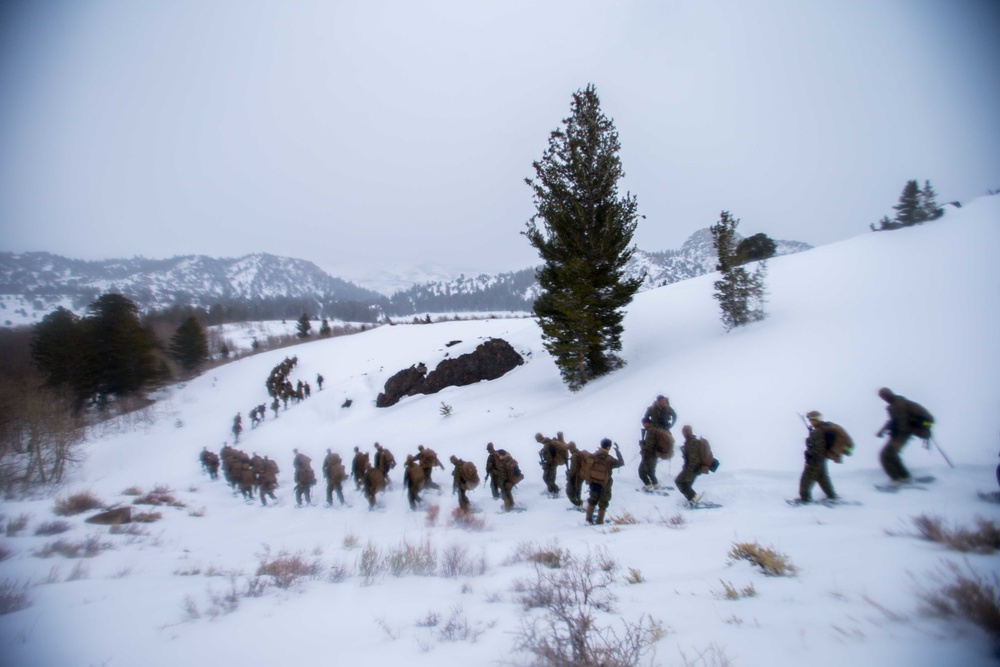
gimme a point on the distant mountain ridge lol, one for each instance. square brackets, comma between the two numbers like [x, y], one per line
[267, 286]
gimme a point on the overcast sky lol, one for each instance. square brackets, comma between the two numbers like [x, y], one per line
[386, 134]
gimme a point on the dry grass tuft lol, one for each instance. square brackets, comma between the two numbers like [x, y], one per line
[52, 528]
[147, 517]
[967, 595]
[625, 518]
[287, 569]
[984, 538]
[13, 596]
[88, 548]
[161, 495]
[15, 526]
[467, 520]
[132, 491]
[77, 504]
[772, 562]
[730, 592]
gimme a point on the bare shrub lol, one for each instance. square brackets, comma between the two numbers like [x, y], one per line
[131, 529]
[5, 552]
[634, 576]
[967, 595]
[417, 559]
[432, 515]
[80, 571]
[568, 632]
[77, 503]
[772, 562]
[160, 495]
[52, 528]
[551, 556]
[467, 520]
[623, 518]
[190, 609]
[984, 538]
[224, 602]
[430, 620]
[13, 596]
[122, 573]
[458, 628]
[350, 541]
[338, 572]
[87, 548]
[675, 521]
[713, 656]
[370, 564]
[147, 517]
[132, 491]
[456, 562]
[15, 526]
[287, 569]
[188, 572]
[730, 592]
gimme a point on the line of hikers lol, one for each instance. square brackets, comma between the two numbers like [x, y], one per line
[825, 441]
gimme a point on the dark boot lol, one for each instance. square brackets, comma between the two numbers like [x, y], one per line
[600, 515]
[590, 514]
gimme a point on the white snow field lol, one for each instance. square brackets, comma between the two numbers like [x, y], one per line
[915, 310]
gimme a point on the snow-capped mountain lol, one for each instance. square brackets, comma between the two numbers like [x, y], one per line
[36, 283]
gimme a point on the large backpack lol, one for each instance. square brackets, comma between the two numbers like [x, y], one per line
[599, 470]
[416, 474]
[838, 443]
[470, 475]
[561, 449]
[921, 420]
[705, 452]
[586, 465]
[337, 473]
[665, 451]
[514, 474]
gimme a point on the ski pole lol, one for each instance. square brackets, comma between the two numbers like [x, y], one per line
[934, 440]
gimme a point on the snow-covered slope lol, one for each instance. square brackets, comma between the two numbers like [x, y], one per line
[914, 310]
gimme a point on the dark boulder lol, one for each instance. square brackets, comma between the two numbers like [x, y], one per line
[490, 360]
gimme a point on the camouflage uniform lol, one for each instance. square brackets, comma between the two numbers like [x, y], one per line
[507, 475]
[906, 419]
[237, 427]
[693, 463]
[334, 473]
[384, 461]
[413, 481]
[492, 465]
[268, 481]
[601, 480]
[462, 483]
[374, 482]
[656, 424]
[246, 481]
[305, 478]
[427, 458]
[817, 444]
[574, 475]
[547, 459]
[359, 466]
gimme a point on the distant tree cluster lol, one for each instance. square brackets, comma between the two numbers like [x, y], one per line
[915, 205]
[740, 293]
[106, 354]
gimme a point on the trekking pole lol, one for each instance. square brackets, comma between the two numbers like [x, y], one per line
[936, 445]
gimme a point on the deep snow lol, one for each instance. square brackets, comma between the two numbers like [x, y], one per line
[915, 310]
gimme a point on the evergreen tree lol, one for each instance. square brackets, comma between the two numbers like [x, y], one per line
[56, 349]
[909, 210]
[324, 329]
[120, 359]
[928, 203]
[304, 326]
[740, 293]
[755, 248]
[584, 242]
[189, 345]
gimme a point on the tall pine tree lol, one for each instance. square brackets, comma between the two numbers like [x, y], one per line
[189, 345]
[909, 210]
[928, 203]
[583, 232]
[304, 326]
[740, 293]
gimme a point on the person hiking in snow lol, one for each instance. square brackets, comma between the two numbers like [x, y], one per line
[384, 461]
[305, 478]
[209, 463]
[492, 465]
[359, 466]
[268, 480]
[507, 475]
[319, 381]
[427, 458]
[550, 457]
[246, 481]
[373, 482]
[574, 475]
[237, 427]
[906, 419]
[413, 480]
[601, 481]
[465, 477]
[826, 440]
[657, 441]
[697, 461]
[335, 474]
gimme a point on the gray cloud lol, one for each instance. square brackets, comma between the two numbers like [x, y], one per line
[393, 133]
